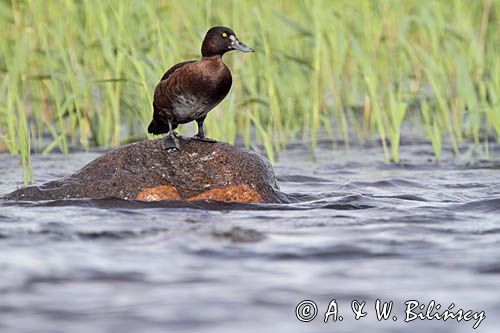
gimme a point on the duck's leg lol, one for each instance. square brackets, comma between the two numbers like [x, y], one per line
[201, 133]
[170, 141]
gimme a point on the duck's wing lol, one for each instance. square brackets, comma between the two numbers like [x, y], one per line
[174, 81]
[174, 68]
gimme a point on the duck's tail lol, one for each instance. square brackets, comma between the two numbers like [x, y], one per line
[154, 127]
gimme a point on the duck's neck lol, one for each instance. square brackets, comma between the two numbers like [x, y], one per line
[217, 57]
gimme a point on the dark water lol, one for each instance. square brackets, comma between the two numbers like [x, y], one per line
[372, 231]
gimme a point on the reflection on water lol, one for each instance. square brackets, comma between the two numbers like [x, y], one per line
[360, 229]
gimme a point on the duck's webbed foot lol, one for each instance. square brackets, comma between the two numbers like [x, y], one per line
[203, 138]
[200, 136]
[170, 141]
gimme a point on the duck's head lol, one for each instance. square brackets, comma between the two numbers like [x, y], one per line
[219, 40]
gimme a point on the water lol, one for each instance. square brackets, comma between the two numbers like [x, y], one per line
[364, 231]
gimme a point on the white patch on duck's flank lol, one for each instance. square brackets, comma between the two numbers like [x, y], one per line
[188, 107]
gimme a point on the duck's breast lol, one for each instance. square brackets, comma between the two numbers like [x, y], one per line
[207, 83]
[188, 107]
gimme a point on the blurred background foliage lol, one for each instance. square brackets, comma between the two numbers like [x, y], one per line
[82, 73]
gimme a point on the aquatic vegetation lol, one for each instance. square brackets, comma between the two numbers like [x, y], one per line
[83, 72]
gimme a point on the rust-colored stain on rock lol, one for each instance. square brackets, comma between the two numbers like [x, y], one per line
[239, 193]
[236, 193]
[163, 192]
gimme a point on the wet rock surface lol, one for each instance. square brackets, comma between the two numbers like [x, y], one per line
[144, 171]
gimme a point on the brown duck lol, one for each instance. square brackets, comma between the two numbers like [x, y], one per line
[190, 89]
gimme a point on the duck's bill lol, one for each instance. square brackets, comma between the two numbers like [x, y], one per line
[238, 45]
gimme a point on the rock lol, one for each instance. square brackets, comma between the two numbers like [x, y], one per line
[144, 171]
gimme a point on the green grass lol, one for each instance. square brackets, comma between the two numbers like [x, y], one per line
[83, 72]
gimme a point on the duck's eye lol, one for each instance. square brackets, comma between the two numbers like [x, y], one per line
[224, 35]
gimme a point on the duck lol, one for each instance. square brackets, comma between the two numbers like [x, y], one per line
[191, 89]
